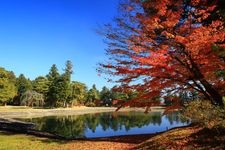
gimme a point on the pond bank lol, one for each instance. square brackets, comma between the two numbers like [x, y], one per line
[8, 123]
[16, 126]
[27, 112]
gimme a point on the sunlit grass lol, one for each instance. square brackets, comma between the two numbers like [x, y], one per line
[22, 142]
[10, 141]
[14, 108]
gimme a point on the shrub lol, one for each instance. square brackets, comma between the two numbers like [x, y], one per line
[205, 114]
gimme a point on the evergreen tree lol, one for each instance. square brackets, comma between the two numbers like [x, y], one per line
[93, 94]
[53, 73]
[68, 70]
[59, 88]
[106, 96]
[53, 77]
[66, 79]
[23, 84]
[78, 93]
[41, 85]
[60, 92]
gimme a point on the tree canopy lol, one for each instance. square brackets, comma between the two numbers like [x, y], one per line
[7, 85]
[161, 48]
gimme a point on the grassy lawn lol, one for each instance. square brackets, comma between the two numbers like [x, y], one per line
[9, 141]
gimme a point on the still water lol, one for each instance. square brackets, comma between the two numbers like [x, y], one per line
[108, 124]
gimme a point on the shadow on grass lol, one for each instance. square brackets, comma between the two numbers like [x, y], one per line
[131, 139]
[209, 138]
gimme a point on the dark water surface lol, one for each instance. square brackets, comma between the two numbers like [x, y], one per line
[108, 124]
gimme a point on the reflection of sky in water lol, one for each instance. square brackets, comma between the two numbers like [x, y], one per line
[146, 129]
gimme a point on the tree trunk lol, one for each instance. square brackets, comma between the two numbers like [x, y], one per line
[216, 97]
[213, 93]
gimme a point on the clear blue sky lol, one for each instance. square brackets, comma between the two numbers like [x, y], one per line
[34, 34]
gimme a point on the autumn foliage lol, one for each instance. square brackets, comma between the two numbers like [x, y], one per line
[163, 47]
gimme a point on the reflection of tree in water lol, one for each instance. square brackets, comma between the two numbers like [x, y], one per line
[75, 126]
[91, 121]
[69, 126]
[117, 122]
[175, 118]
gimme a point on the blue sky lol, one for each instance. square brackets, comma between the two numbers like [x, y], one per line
[34, 34]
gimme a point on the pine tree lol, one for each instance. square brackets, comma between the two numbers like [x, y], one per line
[53, 77]
[23, 84]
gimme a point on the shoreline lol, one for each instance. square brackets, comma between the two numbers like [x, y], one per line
[11, 113]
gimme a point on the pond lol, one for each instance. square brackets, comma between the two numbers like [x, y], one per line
[107, 124]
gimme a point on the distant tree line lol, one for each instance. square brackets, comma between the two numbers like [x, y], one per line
[54, 90]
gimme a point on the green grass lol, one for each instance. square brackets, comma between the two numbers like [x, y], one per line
[10, 141]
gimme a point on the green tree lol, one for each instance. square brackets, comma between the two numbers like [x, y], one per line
[53, 77]
[53, 73]
[57, 93]
[7, 86]
[78, 93]
[23, 84]
[59, 89]
[41, 85]
[93, 94]
[12, 77]
[31, 98]
[68, 70]
[61, 92]
[106, 96]
[66, 78]
[119, 95]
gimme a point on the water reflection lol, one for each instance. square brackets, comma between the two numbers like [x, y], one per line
[108, 124]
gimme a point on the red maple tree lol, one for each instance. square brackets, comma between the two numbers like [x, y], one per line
[163, 47]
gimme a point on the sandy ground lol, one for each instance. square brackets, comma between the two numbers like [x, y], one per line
[26, 112]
